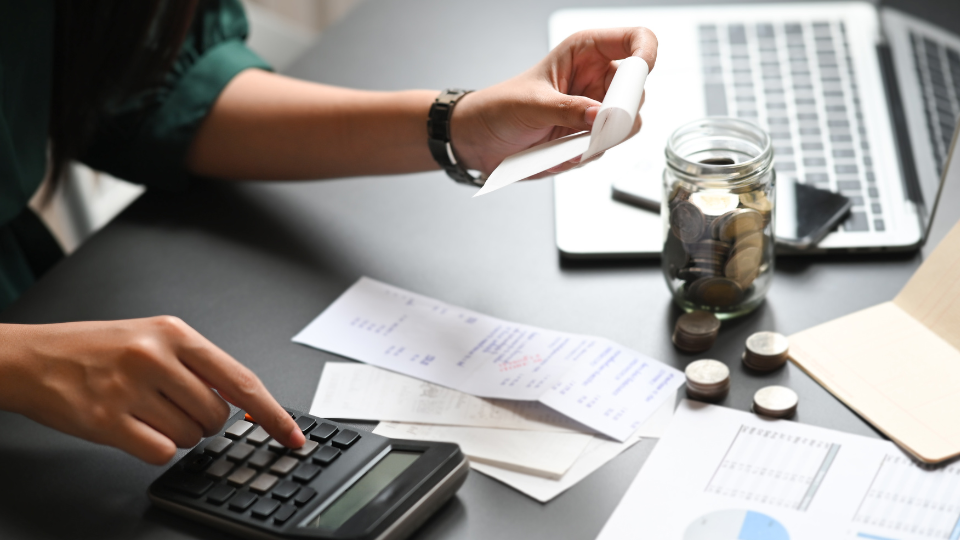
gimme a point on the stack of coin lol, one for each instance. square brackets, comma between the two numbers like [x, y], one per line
[707, 380]
[696, 331]
[775, 402]
[717, 244]
[766, 351]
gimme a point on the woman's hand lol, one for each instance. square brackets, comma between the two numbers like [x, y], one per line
[144, 386]
[559, 96]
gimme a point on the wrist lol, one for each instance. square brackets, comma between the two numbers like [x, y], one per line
[15, 365]
[463, 129]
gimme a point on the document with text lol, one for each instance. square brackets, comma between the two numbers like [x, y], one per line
[592, 380]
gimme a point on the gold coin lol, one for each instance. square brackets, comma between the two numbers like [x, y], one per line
[756, 200]
[740, 222]
[686, 221]
[718, 292]
[715, 202]
[752, 240]
[743, 264]
[710, 248]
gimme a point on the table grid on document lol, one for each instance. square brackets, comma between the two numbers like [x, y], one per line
[771, 467]
[905, 497]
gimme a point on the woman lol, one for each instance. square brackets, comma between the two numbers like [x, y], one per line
[157, 92]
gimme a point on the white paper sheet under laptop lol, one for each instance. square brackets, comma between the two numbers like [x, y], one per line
[809, 73]
[594, 381]
[722, 474]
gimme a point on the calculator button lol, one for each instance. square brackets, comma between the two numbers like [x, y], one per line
[263, 483]
[258, 436]
[304, 496]
[197, 462]
[306, 472]
[285, 489]
[305, 450]
[220, 469]
[238, 428]
[345, 438]
[220, 494]
[305, 423]
[242, 501]
[284, 465]
[241, 476]
[239, 452]
[283, 514]
[326, 455]
[275, 446]
[188, 484]
[264, 508]
[217, 445]
[261, 459]
[324, 432]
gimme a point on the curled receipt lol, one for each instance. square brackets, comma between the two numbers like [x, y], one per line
[611, 127]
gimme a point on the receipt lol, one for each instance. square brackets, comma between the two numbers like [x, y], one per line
[594, 381]
[611, 127]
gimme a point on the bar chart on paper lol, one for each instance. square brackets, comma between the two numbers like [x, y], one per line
[773, 467]
[905, 498]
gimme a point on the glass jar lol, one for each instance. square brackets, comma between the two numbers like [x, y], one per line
[718, 216]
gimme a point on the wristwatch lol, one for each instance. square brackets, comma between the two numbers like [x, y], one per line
[438, 137]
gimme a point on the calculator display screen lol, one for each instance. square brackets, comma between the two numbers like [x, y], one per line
[363, 490]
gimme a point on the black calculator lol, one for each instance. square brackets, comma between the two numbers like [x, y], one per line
[342, 484]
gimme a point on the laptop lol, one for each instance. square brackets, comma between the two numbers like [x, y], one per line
[858, 100]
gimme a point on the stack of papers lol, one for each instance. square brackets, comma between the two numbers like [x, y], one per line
[525, 445]
[594, 381]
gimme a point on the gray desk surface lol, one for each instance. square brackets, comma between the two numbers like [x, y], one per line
[249, 265]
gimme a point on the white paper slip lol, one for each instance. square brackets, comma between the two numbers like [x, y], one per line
[597, 454]
[719, 473]
[591, 380]
[538, 453]
[614, 121]
[362, 392]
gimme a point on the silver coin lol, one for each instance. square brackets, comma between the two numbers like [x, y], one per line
[707, 373]
[715, 202]
[770, 344]
[775, 401]
[687, 222]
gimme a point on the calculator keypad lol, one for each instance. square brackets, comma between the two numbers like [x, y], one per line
[246, 472]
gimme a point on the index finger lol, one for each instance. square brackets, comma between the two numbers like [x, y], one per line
[240, 386]
[619, 43]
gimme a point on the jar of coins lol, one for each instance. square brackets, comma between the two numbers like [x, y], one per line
[718, 216]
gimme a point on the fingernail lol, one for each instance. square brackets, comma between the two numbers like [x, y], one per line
[591, 114]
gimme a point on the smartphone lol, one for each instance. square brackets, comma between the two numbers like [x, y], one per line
[805, 214]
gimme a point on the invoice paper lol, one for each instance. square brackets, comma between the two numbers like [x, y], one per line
[538, 453]
[594, 381]
[720, 473]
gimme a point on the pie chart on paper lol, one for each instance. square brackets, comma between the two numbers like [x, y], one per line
[736, 525]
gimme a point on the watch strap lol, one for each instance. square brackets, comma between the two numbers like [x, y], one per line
[438, 137]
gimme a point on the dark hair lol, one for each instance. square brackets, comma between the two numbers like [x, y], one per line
[105, 51]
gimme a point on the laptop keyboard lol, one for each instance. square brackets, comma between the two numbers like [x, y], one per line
[797, 81]
[938, 68]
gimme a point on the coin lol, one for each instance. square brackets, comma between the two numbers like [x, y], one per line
[766, 351]
[743, 264]
[698, 323]
[737, 223]
[754, 240]
[674, 256]
[707, 380]
[686, 221]
[756, 200]
[775, 401]
[718, 292]
[715, 203]
[707, 248]
[696, 331]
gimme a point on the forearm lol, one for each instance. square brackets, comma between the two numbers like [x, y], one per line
[271, 127]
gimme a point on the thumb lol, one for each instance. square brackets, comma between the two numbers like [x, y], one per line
[574, 112]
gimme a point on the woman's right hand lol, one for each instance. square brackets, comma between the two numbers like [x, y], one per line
[145, 386]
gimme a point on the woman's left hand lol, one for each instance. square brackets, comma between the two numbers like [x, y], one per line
[559, 96]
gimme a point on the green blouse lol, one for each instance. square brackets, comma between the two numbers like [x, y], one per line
[144, 141]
